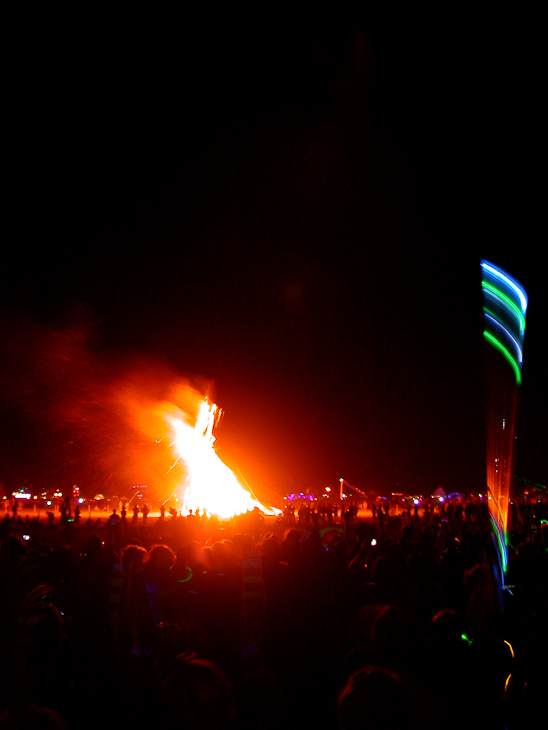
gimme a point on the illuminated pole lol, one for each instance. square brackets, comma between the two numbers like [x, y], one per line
[504, 308]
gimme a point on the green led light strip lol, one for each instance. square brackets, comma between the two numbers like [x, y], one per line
[500, 347]
[506, 300]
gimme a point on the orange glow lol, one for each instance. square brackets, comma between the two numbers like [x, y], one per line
[129, 421]
[209, 483]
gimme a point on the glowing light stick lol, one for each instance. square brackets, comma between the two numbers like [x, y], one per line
[505, 306]
[513, 285]
[504, 301]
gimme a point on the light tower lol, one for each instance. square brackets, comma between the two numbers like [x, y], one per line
[504, 308]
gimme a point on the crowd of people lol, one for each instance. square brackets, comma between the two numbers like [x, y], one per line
[331, 620]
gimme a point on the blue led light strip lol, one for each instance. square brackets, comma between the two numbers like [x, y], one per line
[501, 276]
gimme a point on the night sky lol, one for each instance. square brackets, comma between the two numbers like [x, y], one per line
[295, 218]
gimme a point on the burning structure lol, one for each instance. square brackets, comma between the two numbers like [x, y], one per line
[209, 484]
[106, 423]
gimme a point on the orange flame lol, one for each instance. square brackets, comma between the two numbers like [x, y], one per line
[210, 484]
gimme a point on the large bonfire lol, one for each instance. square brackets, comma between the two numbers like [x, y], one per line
[209, 483]
[107, 424]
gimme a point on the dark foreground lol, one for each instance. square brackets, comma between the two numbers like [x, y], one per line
[256, 623]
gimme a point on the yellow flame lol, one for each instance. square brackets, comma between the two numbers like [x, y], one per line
[210, 484]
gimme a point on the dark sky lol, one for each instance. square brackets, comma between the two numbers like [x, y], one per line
[296, 217]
